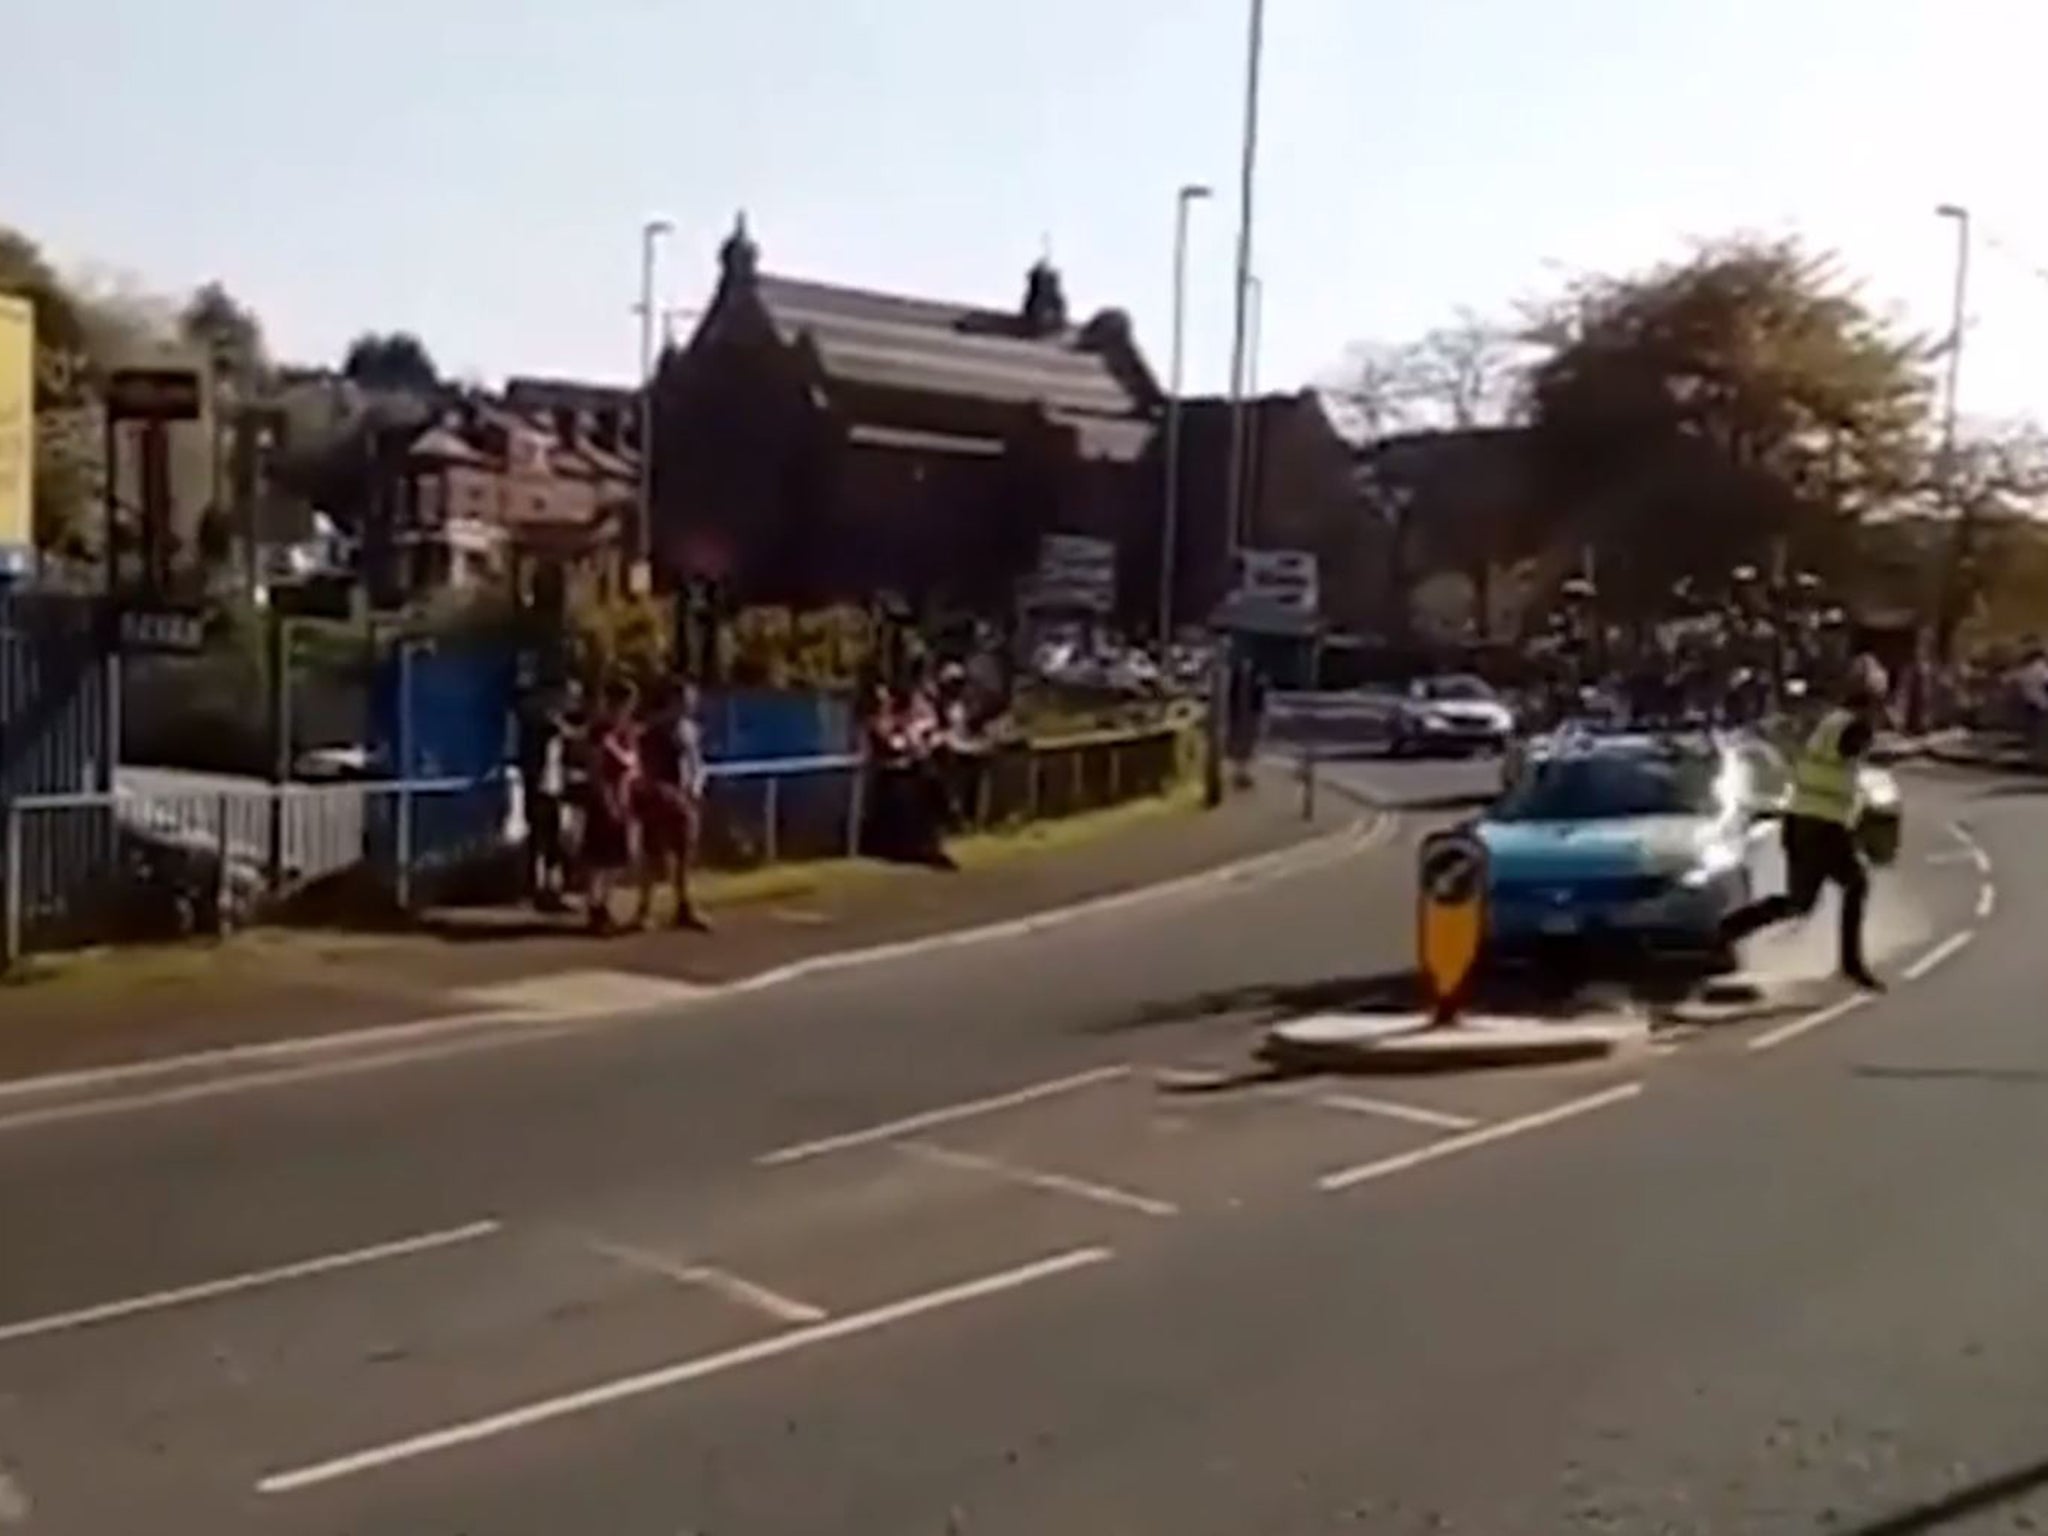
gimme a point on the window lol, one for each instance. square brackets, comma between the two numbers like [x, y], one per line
[1609, 787]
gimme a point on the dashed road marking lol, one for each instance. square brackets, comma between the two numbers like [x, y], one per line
[723, 1282]
[1040, 1178]
[1987, 900]
[1391, 1109]
[250, 1280]
[1485, 1135]
[1806, 1023]
[1947, 948]
[910, 1125]
[622, 1389]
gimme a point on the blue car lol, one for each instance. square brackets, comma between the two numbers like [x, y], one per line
[1648, 841]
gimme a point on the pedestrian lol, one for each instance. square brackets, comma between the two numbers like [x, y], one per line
[673, 780]
[543, 779]
[611, 779]
[1820, 824]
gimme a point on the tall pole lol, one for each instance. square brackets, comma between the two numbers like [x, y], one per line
[643, 551]
[1948, 612]
[1253, 503]
[1170, 517]
[1247, 183]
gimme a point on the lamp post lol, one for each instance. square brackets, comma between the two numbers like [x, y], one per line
[1183, 201]
[643, 553]
[1247, 186]
[1950, 599]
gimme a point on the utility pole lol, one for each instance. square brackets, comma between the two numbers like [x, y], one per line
[1170, 525]
[643, 551]
[1948, 611]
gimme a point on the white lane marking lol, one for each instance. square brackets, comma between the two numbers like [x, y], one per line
[1485, 1135]
[1295, 859]
[1987, 900]
[207, 1290]
[733, 1287]
[1039, 1178]
[276, 1077]
[604, 1394]
[894, 1130]
[1955, 856]
[1390, 1109]
[1935, 956]
[1806, 1023]
[1974, 849]
[265, 1051]
[490, 1030]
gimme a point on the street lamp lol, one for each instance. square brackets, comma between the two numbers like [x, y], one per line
[1183, 201]
[1959, 549]
[650, 236]
[1247, 185]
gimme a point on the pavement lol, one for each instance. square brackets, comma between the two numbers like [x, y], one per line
[273, 986]
[991, 1239]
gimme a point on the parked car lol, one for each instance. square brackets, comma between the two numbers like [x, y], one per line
[1454, 715]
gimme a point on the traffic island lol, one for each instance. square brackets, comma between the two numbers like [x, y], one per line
[1366, 1043]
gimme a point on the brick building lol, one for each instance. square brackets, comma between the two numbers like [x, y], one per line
[818, 443]
[484, 488]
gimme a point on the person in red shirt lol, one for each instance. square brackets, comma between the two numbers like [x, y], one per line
[672, 784]
[612, 790]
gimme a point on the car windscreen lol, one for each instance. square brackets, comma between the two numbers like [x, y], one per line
[1461, 690]
[1600, 787]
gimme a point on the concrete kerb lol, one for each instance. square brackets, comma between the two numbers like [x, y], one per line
[1371, 1044]
[511, 1024]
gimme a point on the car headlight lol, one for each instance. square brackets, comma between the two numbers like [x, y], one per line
[1715, 861]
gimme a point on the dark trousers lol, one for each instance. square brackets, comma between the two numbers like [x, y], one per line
[1816, 852]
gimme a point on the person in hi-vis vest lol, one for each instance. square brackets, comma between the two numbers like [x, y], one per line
[1820, 823]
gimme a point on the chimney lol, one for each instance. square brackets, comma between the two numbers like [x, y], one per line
[1045, 302]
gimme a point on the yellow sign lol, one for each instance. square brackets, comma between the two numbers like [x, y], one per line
[17, 422]
[1450, 918]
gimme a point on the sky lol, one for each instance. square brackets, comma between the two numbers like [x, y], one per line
[478, 171]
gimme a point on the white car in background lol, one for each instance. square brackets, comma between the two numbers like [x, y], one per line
[1451, 715]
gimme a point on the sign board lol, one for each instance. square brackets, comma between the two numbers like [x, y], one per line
[1450, 917]
[17, 427]
[153, 394]
[1075, 574]
[163, 631]
[1273, 592]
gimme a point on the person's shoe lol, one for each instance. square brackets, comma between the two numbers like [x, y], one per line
[1860, 975]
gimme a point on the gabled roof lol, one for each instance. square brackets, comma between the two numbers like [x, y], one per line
[895, 342]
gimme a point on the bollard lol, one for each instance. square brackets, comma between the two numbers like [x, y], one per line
[10, 889]
[223, 854]
[1308, 780]
[768, 812]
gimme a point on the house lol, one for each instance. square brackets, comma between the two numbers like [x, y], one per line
[485, 489]
[818, 443]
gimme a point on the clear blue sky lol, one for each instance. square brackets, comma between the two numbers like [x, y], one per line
[477, 170]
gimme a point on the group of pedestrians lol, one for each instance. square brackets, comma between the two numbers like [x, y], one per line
[614, 794]
[926, 745]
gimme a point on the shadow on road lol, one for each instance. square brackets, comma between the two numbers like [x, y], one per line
[1937, 1514]
[1543, 991]
[2012, 1076]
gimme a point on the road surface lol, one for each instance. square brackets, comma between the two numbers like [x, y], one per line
[975, 1242]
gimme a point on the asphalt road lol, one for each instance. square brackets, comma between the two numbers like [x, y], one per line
[973, 1242]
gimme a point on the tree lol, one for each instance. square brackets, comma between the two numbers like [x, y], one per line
[1742, 406]
[229, 336]
[397, 361]
[1462, 377]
